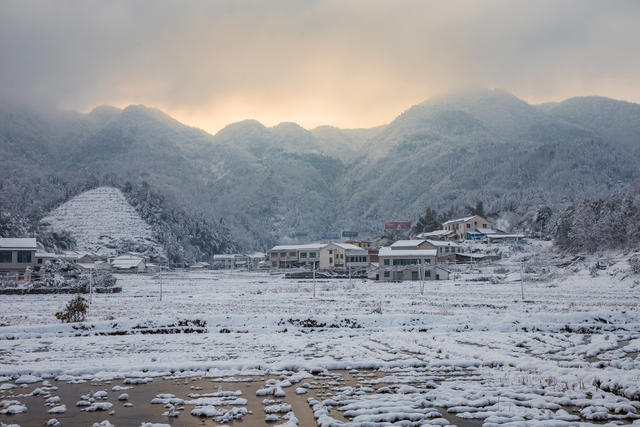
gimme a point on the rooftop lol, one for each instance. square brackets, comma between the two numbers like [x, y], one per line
[309, 246]
[28, 243]
[407, 243]
[388, 251]
[464, 219]
[442, 243]
[435, 233]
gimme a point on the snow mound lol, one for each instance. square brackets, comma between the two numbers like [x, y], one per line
[102, 221]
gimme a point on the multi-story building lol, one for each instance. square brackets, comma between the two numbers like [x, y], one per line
[291, 256]
[412, 260]
[466, 228]
[343, 256]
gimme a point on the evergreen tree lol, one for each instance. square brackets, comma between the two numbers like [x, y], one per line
[428, 222]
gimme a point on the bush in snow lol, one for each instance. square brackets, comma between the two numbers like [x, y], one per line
[75, 311]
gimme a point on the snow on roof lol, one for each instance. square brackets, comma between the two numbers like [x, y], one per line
[127, 263]
[46, 255]
[18, 243]
[406, 243]
[442, 243]
[464, 219]
[506, 236]
[127, 257]
[348, 247]
[486, 230]
[87, 265]
[309, 246]
[257, 255]
[388, 251]
[435, 233]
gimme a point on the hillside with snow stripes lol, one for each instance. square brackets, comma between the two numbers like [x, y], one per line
[101, 220]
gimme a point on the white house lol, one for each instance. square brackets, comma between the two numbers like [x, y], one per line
[406, 264]
[128, 263]
[343, 256]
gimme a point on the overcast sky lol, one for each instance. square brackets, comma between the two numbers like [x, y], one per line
[344, 63]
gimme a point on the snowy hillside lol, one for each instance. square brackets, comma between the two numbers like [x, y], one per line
[101, 220]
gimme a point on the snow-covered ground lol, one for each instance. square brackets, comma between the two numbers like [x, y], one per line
[568, 352]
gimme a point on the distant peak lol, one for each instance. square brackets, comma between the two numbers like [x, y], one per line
[243, 126]
[288, 127]
[473, 95]
[105, 109]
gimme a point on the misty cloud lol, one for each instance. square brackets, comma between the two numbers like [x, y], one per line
[355, 63]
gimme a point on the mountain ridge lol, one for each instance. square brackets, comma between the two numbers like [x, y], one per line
[269, 183]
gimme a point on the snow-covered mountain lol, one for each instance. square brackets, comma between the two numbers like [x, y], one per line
[267, 183]
[102, 221]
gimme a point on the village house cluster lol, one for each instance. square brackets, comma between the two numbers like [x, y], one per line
[424, 258]
[20, 258]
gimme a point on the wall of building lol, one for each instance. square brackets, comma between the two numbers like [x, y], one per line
[14, 265]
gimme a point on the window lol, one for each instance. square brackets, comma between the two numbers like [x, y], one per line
[39, 260]
[312, 255]
[292, 254]
[283, 254]
[427, 273]
[484, 225]
[330, 260]
[274, 254]
[386, 262]
[24, 256]
[5, 256]
[341, 256]
[468, 225]
[330, 251]
[273, 263]
[386, 274]
[303, 254]
[428, 261]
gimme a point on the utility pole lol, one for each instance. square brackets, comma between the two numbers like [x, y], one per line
[421, 276]
[160, 282]
[522, 279]
[91, 287]
[314, 279]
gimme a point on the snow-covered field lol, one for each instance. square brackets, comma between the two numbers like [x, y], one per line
[569, 352]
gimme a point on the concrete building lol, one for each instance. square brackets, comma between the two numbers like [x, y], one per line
[343, 256]
[465, 228]
[446, 250]
[293, 256]
[406, 264]
[16, 255]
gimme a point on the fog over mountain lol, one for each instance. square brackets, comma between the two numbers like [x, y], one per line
[265, 184]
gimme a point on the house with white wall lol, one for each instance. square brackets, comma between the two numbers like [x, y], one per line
[343, 256]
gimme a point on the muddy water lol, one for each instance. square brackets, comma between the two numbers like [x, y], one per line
[143, 411]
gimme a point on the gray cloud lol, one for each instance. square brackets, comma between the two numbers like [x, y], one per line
[353, 63]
